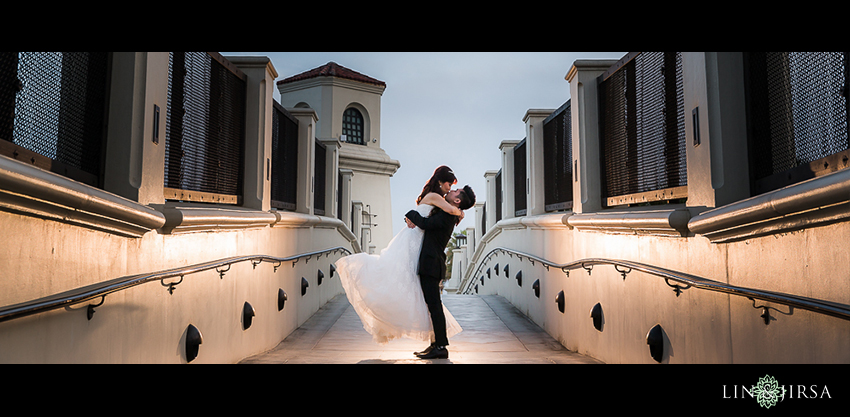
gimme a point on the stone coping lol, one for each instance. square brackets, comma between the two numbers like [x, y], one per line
[813, 202]
[32, 191]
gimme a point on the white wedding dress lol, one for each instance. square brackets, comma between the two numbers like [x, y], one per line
[385, 291]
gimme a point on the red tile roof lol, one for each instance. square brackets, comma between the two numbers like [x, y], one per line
[332, 69]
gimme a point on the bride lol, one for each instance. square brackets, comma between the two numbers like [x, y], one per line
[384, 289]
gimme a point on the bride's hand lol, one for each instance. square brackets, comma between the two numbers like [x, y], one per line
[459, 217]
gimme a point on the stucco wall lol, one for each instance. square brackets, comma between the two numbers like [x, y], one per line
[699, 326]
[146, 324]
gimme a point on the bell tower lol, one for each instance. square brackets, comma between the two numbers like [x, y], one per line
[348, 106]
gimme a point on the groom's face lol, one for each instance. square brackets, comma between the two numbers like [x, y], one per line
[453, 197]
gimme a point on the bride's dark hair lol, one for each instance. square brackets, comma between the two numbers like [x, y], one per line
[441, 174]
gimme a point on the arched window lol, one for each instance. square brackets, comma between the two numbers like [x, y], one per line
[352, 126]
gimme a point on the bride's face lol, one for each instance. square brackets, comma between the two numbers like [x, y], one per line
[445, 187]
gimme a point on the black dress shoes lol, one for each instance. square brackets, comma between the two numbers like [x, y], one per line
[426, 351]
[436, 352]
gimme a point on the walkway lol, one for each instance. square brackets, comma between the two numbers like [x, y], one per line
[494, 332]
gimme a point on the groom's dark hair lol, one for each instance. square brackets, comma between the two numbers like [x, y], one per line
[467, 198]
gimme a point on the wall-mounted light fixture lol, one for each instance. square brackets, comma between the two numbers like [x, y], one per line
[304, 285]
[247, 315]
[559, 300]
[193, 342]
[281, 299]
[596, 315]
[655, 340]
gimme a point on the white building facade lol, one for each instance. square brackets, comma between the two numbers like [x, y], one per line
[348, 107]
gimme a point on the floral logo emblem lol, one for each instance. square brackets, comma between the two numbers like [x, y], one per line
[768, 392]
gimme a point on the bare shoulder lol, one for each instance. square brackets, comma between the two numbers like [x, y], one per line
[430, 198]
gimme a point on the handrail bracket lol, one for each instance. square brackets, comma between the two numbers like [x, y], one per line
[90, 307]
[676, 287]
[222, 271]
[171, 285]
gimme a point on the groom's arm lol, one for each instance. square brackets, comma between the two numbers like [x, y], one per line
[438, 220]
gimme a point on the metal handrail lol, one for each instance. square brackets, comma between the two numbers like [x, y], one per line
[829, 308]
[102, 289]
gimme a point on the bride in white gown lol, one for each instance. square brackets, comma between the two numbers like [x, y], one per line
[385, 290]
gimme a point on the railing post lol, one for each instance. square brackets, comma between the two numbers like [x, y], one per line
[259, 89]
[345, 195]
[471, 241]
[135, 157]
[480, 208]
[715, 126]
[458, 267]
[307, 119]
[536, 201]
[582, 76]
[508, 205]
[490, 206]
[331, 167]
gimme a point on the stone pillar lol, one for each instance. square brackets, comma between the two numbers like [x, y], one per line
[471, 243]
[331, 168]
[582, 76]
[260, 75]
[458, 267]
[536, 203]
[508, 206]
[480, 227]
[346, 204]
[490, 206]
[356, 218]
[715, 122]
[307, 119]
[135, 155]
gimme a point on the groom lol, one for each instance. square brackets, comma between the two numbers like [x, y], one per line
[432, 263]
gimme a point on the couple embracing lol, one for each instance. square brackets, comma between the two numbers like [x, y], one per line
[397, 293]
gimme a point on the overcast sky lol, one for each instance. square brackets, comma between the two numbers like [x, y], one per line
[448, 108]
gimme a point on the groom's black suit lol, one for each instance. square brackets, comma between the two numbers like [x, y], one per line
[432, 264]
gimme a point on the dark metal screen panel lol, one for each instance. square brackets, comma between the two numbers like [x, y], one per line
[499, 196]
[205, 129]
[53, 111]
[284, 158]
[797, 116]
[557, 159]
[320, 175]
[520, 194]
[339, 211]
[643, 129]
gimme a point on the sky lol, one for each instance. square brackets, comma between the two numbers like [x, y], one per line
[448, 108]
